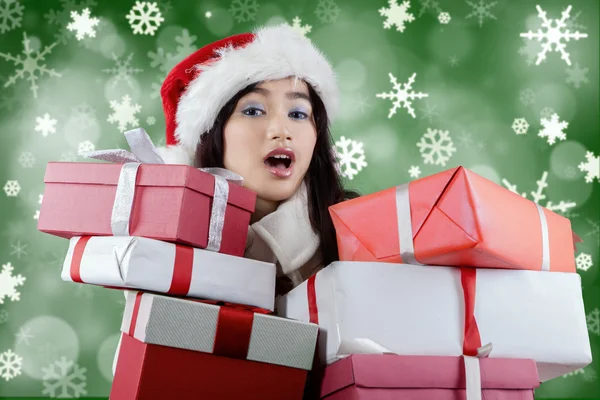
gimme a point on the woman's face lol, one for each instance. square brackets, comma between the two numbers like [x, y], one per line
[270, 137]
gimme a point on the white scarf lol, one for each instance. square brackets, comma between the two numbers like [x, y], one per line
[285, 236]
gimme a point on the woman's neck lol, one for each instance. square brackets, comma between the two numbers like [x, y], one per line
[263, 208]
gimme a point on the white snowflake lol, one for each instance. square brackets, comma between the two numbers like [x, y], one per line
[122, 70]
[244, 10]
[83, 115]
[453, 61]
[327, 11]
[444, 18]
[45, 124]
[18, 249]
[396, 15]
[297, 26]
[150, 120]
[62, 17]
[83, 24]
[31, 64]
[124, 113]
[351, 156]
[527, 97]
[429, 4]
[465, 139]
[591, 166]
[573, 25]
[85, 146]
[436, 147]
[553, 129]
[185, 45]
[10, 365]
[547, 112]
[593, 322]
[165, 6]
[553, 35]
[9, 283]
[530, 50]
[12, 188]
[577, 75]
[208, 14]
[64, 379]
[573, 373]
[11, 15]
[589, 374]
[26, 159]
[520, 126]
[361, 103]
[570, 171]
[481, 10]
[429, 112]
[36, 216]
[414, 171]
[145, 18]
[402, 96]
[539, 195]
[24, 335]
[570, 214]
[583, 261]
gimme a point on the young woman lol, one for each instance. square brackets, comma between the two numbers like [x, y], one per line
[260, 104]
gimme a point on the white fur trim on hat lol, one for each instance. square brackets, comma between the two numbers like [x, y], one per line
[275, 53]
[175, 155]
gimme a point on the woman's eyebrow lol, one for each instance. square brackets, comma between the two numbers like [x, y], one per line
[289, 95]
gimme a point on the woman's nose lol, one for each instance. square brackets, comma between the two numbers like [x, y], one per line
[278, 129]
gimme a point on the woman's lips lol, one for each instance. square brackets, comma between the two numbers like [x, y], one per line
[276, 160]
[280, 172]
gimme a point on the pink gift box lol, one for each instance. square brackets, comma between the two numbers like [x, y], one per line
[172, 203]
[394, 377]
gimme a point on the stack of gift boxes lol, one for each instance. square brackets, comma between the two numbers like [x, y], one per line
[449, 287]
[198, 320]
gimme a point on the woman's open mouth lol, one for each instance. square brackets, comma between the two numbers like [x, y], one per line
[280, 162]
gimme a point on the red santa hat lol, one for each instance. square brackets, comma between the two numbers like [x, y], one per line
[198, 87]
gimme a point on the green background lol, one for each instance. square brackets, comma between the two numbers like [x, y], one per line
[479, 77]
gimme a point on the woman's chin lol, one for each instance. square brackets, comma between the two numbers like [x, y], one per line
[278, 192]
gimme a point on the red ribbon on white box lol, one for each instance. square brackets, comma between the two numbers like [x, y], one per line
[472, 348]
[182, 267]
[234, 328]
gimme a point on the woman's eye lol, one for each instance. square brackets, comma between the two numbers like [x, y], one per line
[252, 111]
[299, 115]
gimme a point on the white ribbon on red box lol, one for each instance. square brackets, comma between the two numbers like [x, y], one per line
[472, 370]
[144, 151]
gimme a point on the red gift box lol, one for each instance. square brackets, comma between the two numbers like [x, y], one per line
[453, 218]
[389, 376]
[170, 203]
[182, 349]
[153, 372]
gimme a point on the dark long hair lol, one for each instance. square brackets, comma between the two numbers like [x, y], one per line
[324, 183]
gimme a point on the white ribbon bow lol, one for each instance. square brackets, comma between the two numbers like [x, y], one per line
[143, 151]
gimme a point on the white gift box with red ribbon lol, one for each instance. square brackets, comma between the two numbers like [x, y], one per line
[226, 330]
[131, 262]
[446, 311]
